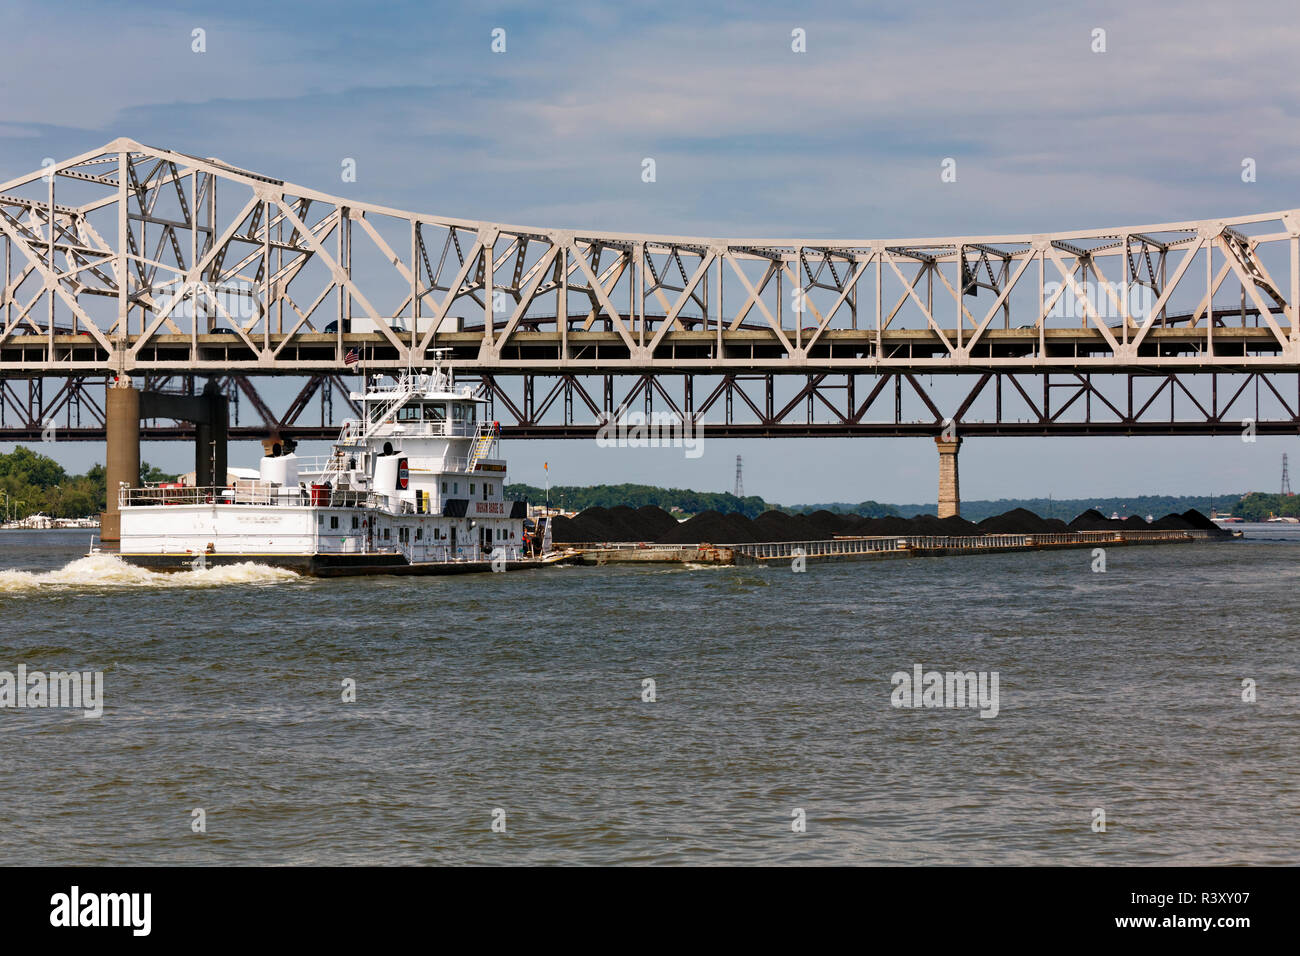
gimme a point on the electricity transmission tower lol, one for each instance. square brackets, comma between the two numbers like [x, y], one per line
[740, 480]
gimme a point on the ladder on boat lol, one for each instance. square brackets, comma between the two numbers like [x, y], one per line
[484, 438]
[355, 434]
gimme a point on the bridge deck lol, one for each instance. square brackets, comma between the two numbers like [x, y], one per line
[595, 352]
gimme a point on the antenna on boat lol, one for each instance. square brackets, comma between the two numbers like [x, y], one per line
[410, 365]
[438, 370]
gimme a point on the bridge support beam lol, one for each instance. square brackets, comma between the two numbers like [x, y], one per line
[210, 413]
[949, 485]
[210, 428]
[122, 455]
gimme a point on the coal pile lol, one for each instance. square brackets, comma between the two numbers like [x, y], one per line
[712, 527]
[779, 526]
[957, 525]
[1190, 520]
[655, 521]
[654, 525]
[1022, 521]
[1094, 520]
[927, 525]
[824, 525]
[578, 528]
[828, 521]
[644, 524]
[889, 525]
[853, 524]
[620, 524]
[603, 519]
[1199, 522]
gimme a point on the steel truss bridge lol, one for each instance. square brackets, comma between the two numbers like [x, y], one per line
[169, 270]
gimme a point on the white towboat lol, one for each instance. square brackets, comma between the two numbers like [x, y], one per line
[414, 487]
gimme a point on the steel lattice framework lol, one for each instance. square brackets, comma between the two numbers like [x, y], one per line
[131, 260]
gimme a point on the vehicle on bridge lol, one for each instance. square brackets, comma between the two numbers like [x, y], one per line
[415, 486]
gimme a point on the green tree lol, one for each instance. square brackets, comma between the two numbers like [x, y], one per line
[577, 498]
[33, 469]
[151, 475]
[32, 483]
[1259, 506]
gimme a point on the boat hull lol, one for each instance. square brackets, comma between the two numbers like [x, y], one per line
[331, 565]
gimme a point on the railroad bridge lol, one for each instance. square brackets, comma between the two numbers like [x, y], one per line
[140, 284]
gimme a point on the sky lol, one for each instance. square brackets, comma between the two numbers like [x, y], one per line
[749, 139]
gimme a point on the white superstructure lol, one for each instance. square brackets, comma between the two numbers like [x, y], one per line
[417, 481]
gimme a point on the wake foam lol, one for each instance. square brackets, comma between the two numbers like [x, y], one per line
[110, 571]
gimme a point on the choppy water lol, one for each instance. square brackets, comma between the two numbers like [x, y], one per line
[523, 692]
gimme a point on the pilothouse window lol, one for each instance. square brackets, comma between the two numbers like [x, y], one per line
[435, 413]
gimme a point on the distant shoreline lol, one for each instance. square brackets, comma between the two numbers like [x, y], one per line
[69, 528]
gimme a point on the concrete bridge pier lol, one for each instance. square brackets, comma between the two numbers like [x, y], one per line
[125, 405]
[122, 454]
[949, 485]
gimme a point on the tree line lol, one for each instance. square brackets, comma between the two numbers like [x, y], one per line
[579, 498]
[32, 483]
[1260, 506]
[1253, 506]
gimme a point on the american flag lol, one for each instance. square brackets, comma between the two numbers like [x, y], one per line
[352, 358]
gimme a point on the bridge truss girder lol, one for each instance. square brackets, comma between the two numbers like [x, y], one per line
[72, 409]
[141, 261]
[742, 405]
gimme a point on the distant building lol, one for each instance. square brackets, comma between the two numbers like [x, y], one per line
[232, 475]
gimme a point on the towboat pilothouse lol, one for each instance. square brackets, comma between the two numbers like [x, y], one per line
[416, 486]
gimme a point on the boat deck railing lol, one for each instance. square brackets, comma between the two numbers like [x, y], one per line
[974, 542]
[872, 543]
[337, 464]
[254, 493]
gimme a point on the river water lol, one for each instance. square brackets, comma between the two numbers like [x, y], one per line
[519, 698]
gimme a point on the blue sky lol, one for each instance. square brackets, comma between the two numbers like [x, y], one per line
[748, 138]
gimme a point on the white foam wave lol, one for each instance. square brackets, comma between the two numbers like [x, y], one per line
[110, 571]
